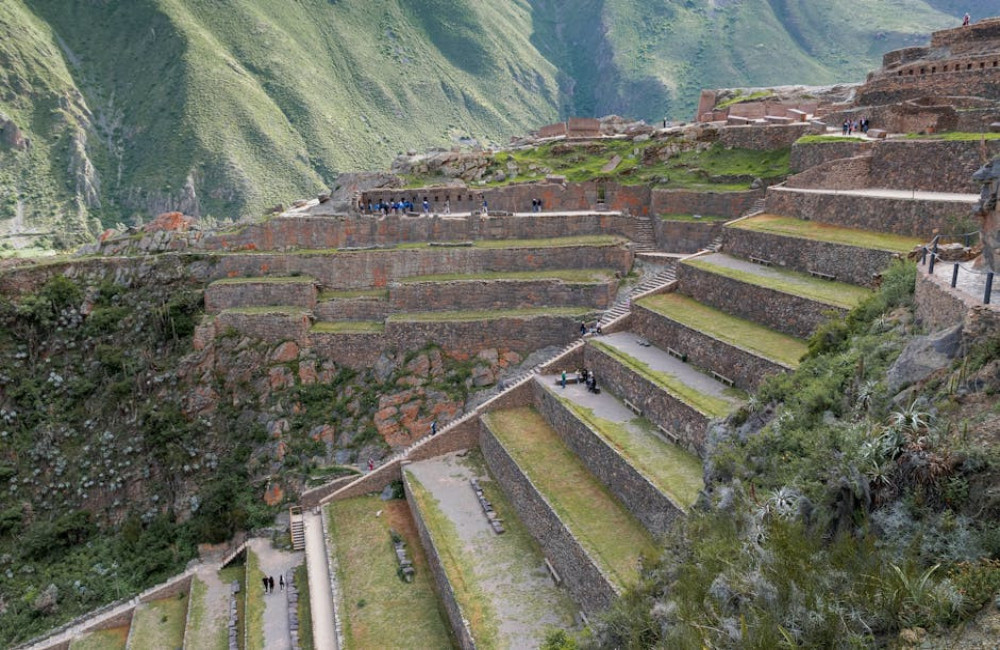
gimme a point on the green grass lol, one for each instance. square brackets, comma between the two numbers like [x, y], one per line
[820, 139]
[253, 623]
[269, 279]
[791, 227]
[710, 405]
[349, 327]
[614, 538]
[475, 604]
[691, 218]
[836, 294]
[303, 608]
[551, 242]
[740, 98]
[673, 470]
[287, 310]
[112, 639]
[159, 624]
[237, 573]
[366, 569]
[202, 633]
[725, 327]
[379, 294]
[954, 136]
[458, 316]
[565, 275]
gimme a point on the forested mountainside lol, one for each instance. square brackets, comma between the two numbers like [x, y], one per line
[112, 110]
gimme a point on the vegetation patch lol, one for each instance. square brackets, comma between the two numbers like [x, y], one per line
[284, 310]
[203, 633]
[113, 639]
[255, 603]
[349, 327]
[160, 623]
[367, 571]
[791, 227]
[303, 608]
[674, 471]
[953, 136]
[725, 327]
[378, 294]
[837, 294]
[740, 98]
[269, 279]
[710, 405]
[820, 139]
[612, 535]
[552, 242]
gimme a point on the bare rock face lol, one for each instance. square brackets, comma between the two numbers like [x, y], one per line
[10, 135]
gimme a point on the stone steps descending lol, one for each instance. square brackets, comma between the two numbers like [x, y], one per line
[645, 234]
[158, 624]
[623, 304]
[679, 399]
[787, 301]
[266, 291]
[822, 250]
[296, 529]
[495, 586]
[654, 478]
[741, 350]
[364, 534]
[588, 535]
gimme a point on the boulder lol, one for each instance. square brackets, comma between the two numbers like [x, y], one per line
[923, 356]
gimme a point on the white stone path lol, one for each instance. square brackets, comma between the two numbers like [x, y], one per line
[879, 193]
[320, 596]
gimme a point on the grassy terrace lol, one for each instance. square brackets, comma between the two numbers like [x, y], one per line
[550, 242]
[458, 316]
[837, 294]
[710, 405]
[705, 218]
[671, 469]
[204, 633]
[791, 227]
[380, 294]
[238, 573]
[159, 624]
[254, 603]
[113, 639]
[720, 325]
[288, 310]
[564, 275]
[380, 609]
[349, 327]
[269, 279]
[612, 536]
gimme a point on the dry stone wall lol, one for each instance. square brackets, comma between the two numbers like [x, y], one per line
[655, 510]
[917, 218]
[353, 309]
[807, 156]
[683, 421]
[761, 137]
[588, 584]
[780, 311]
[499, 294]
[852, 264]
[686, 236]
[272, 327]
[746, 369]
[938, 306]
[357, 350]
[224, 295]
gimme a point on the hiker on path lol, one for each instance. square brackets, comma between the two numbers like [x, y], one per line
[486, 208]
[447, 206]
[966, 20]
[264, 579]
[270, 583]
[434, 427]
[281, 583]
[564, 379]
[371, 465]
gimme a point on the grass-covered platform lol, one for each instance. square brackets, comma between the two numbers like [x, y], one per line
[159, 624]
[485, 315]
[380, 610]
[816, 231]
[111, 639]
[348, 327]
[579, 276]
[725, 327]
[268, 279]
[612, 536]
[836, 294]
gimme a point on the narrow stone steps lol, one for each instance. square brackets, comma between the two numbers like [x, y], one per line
[627, 443]
[788, 301]
[592, 539]
[623, 304]
[734, 347]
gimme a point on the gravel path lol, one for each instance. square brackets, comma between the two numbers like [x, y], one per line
[276, 563]
[508, 568]
[877, 193]
[215, 610]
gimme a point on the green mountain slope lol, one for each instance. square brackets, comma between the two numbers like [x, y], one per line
[227, 107]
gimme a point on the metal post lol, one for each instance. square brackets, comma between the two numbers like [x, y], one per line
[930, 267]
[954, 277]
[989, 288]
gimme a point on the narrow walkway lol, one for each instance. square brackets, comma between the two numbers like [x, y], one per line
[276, 563]
[320, 598]
[214, 606]
[879, 193]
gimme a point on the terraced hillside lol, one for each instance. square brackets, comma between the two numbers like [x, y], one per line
[227, 108]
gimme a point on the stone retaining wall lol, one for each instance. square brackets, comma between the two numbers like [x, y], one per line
[357, 350]
[938, 306]
[226, 295]
[851, 264]
[588, 584]
[841, 174]
[746, 369]
[457, 619]
[686, 236]
[376, 268]
[654, 509]
[761, 137]
[809, 155]
[499, 294]
[360, 308]
[916, 218]
[659, 407]
[780, 311]
[719, 204]
[273, 327]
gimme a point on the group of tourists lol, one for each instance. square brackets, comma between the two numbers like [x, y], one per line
[589, 379]
[536, 205]
[857, 126]
[269, 583]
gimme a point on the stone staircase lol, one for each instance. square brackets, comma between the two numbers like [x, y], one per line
[296, 528]
[651, 283]
[645, 234]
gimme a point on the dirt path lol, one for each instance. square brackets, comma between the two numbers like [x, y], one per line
[215, 610]
[276, 563]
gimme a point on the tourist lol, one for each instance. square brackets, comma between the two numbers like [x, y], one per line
[434, 428]
[264, 580]
[563, 379]
[583, 329]
[281, 583]
[845, 126]
[427, 206]
[966, 20]
[270, 584]
[371, 465]
[486, 208]
[447, 206]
